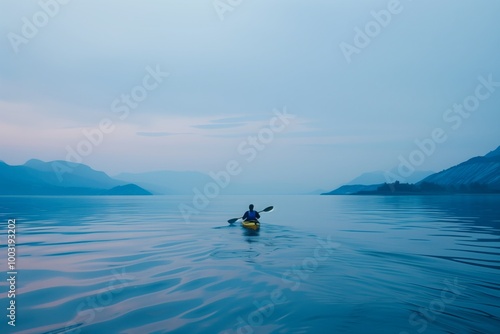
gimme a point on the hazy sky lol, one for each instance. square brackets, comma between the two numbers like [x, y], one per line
[362, 79]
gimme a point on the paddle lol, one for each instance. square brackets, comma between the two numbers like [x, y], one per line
[268, 209]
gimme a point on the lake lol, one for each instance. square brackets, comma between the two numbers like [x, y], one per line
[319, 264]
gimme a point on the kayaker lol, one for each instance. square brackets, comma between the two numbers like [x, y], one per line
[251, 214]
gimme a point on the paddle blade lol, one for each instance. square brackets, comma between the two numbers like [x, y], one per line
[268, 209]
[233, 220]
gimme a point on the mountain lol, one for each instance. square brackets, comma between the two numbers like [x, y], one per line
[371, 181]
[350, 189]
[128, 189]
[476, 172]
[379, 177]
[494, 153]
[60, 178]
[66, 174]
[167, 182]
[183, 183]
[476, 175]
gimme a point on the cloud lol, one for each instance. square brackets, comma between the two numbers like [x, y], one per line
[239, 119]
[155, 134]
[218, 126]
[236, 121]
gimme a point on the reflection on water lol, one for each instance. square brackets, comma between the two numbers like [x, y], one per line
[346, 264]
[250, 233]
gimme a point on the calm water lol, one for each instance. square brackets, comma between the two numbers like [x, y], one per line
[334, 264]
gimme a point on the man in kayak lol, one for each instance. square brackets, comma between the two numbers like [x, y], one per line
[250, 214]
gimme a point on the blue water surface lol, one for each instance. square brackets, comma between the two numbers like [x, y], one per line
[319, 264]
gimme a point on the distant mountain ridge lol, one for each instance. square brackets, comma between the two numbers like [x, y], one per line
[380, 177]
[476, 175]
[185, 182]
[62, 173]
[370, 181]
[36, 177]
[350, 189]
[167, 182]
[494, 153]
[483, 170]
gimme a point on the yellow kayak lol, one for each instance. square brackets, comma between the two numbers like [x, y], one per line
[251, 224]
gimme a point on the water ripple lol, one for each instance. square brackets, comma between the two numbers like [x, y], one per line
[131, 265]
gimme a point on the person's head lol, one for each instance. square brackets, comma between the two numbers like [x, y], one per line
[250, 207]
